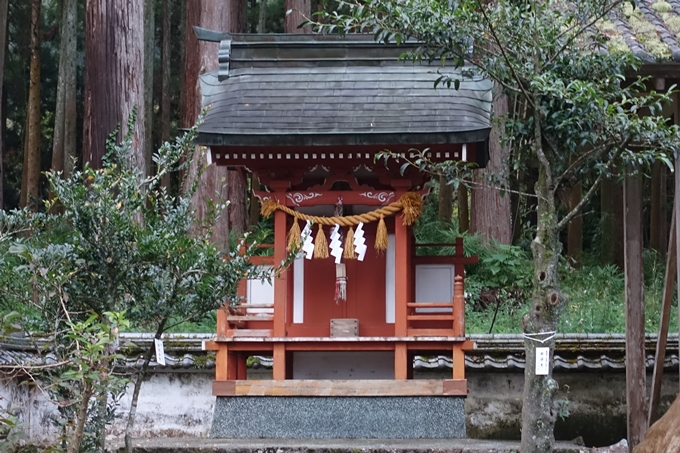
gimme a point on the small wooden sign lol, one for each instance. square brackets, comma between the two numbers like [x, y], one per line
[344, 327]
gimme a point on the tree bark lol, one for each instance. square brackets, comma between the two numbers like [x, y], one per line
[79, 432]
[138, 387]
[491, 215]
[540, 323]
[114, 77]
[254, 202]
[166, 71]
[636, 374]
[575, 228]
[149, 51]
[262, 16]
[64, 146]
[30, 178]
[297, 11]
[463, 209]
[658, 224]
[446, 201]
[201, 57]
[3, 46]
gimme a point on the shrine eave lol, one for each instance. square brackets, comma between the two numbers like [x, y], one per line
[380, 140]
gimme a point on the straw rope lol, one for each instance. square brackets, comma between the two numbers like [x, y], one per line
[410, 203]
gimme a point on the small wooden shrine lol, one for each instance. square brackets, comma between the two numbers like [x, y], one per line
[308, 114]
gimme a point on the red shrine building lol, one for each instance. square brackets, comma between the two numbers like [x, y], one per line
[308, 114]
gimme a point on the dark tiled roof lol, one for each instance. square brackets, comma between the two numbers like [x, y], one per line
[321, 90]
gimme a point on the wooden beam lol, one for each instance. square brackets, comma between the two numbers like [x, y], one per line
[660, 355]
[373, 387]
[635, 311]
[223, 388]
[455, 387]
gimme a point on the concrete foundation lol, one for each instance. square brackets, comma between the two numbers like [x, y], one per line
[339, 417]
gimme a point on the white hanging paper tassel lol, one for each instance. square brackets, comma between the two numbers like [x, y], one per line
[336, 244]
[360, 242]
[307, 241]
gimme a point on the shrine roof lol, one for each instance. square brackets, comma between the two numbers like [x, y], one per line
[311, 90]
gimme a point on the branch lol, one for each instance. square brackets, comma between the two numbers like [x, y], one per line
[505, 56]
[595, 151]
[567, 218]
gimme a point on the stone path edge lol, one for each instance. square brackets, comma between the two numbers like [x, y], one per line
[205, 445]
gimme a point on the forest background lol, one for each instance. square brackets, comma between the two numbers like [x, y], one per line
[45, 119]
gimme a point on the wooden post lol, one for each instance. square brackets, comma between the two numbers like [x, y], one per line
[280, 283]
[458, 307]
[635, 312]
[676, 203]
[660, 356]
[401, 290]
[221, 362]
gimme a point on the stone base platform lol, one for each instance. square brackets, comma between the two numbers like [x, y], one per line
[339, 417]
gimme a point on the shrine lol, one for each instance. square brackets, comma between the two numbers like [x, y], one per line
[308, 114]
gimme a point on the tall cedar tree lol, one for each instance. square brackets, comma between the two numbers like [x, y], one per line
[3, 46]
[297, 12]
[30, 177]
[64, 146]
[114, 77]
[581, 124]
[201, 57]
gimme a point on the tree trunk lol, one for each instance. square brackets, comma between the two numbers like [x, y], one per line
[138, 387]
[166, 68]
[575, 229]
[617, 219]
[540, 323]
[658, 228]
[446, 201]
[297, 11]
[491, 215]
[3, 46]
[166, 71]
[201, 57]
[79, 432]
[606, 223]
[636, 370]
[64, 146]
[254, 202]
[149, 51]
[463, 209]
[262, 16]
[30, 178]
[114, 77]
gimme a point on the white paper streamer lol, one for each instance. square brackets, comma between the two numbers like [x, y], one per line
[360, 242]
[336, 244]
[307, 242]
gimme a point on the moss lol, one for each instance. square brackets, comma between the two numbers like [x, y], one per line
[645, 32]
[662, 7]
[673, 23]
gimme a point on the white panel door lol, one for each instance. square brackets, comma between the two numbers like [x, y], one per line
[434, 283]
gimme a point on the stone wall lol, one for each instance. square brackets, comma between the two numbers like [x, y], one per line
[180, 404]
